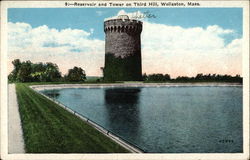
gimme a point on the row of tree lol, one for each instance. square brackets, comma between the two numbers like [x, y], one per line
[43, 72]
[197, 78]
[156, 77]
[49, 72]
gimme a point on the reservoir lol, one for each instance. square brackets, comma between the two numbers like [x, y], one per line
[171, 119]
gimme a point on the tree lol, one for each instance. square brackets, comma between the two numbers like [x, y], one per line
[24, 72]
[13, 75]
[144, 77]
[77, 74]
[199, 76]
[167, 77]
[38, 72]
[34, 72]
[158, 77]
[52, 72]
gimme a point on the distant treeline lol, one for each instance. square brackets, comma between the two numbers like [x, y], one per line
[198, 78]
[27, 71]
[43, 72]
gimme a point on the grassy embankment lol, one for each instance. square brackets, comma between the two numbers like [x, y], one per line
[48, 128]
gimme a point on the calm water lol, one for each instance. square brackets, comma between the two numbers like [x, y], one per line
[165, 119]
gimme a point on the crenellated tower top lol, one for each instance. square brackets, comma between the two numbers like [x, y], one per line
[123, 24]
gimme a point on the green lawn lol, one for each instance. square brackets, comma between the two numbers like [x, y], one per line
[48, 128]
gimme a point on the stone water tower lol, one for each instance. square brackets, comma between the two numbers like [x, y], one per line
[122, 49]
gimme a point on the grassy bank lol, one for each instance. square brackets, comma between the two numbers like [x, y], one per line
[48, 128]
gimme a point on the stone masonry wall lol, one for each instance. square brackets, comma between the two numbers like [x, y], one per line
[122, 50]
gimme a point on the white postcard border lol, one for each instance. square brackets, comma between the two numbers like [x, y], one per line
[61, 4]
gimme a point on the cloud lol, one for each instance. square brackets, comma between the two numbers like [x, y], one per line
[100, 13]
[189, 51]
[174, 50]
[132, 15]
[67, 47]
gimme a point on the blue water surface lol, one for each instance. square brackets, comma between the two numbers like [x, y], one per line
[189, 119]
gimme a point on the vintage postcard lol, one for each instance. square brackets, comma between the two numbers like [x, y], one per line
[125, 80]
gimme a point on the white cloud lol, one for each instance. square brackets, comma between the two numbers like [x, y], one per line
[165, 49]
[188, 51]
[92, 30]
[100, 13]
[67, 47]
[132, 15]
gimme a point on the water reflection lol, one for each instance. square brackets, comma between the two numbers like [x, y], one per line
[123, 110]
[54, 94]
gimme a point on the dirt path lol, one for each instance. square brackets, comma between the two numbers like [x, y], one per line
[15, 134]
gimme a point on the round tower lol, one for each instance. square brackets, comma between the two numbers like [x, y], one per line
[122, 49]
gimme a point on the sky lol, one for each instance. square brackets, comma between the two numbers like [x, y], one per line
[177, 41]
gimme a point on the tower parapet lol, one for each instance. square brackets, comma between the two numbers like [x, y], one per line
[123, 25]
[122, 49]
